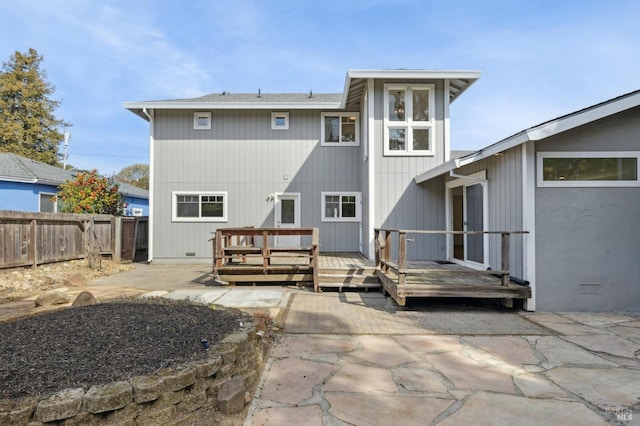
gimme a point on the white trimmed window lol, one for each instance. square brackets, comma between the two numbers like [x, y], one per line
[199, 207]
[48, 203]
[279, 121]
[588, 169]
[341, 206]
[202, 120]
[408, 119]
[340, 129]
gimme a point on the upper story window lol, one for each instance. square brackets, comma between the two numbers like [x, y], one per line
[202, 120]
[279, 121]
[199, 207]
[408, 119]
[340, 129]
[588, 169]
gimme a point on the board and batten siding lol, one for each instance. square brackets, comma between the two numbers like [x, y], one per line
[504, 173]
[242, 156]
[587, 251]
[399, 201]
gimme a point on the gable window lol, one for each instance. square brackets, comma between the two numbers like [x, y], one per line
[341, 206]
[202, 120]
[588, 169]
[48, 203]
[199, 207]
[408, 119]
[340, 129]
[279, 121]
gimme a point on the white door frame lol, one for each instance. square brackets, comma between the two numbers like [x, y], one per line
[465, 181]
[292, 241]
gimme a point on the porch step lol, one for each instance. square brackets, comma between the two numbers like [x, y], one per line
[345, 279]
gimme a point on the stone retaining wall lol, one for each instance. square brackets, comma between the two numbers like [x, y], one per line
[170, 396]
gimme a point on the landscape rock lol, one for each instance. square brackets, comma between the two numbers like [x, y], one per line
[16, 411]
[109, 397]
[85, 298]
[62, 405]
[76, 280]
[231, 396]
[147, 388]
[52, 298]
[176, 379]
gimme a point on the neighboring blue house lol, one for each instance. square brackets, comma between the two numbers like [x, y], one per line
[29, 185]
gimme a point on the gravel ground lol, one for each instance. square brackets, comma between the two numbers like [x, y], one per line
[103, 343]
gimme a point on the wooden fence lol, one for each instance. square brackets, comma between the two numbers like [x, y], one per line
[31, 239]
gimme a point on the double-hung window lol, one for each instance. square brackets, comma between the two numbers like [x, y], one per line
[340, 129]
[199, 207]
[588, 169]
[341, 206]
[408, 119]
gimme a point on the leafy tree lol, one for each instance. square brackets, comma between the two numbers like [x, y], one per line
[90, 193]
[28, 126]
[136, 175]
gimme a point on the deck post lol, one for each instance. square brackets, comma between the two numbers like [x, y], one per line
[402, 258]
[266, 256]
[315, 243]
[376, 245]
[387, 249]
[218, 252]
[505, 258]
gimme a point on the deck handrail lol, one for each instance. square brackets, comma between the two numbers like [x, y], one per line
[224, 237]
[383, 249]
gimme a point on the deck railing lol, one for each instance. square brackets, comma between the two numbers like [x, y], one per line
[231, 244]
[383, 251]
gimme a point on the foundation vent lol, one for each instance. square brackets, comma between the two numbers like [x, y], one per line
[589, 289]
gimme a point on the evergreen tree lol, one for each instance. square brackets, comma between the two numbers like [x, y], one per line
[28, 126]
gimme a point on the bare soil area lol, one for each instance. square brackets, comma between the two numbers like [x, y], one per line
[25, 282]
[103, 343]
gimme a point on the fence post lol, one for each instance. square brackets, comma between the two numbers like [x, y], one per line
[116, 224]
[33, 243]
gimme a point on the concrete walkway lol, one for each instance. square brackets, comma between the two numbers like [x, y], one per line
[359, 359]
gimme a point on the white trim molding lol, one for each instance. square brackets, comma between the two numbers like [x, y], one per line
[199, 195]
[338, 214]
[202, 120]
[350, 116]
[587, 183]
[279, 120]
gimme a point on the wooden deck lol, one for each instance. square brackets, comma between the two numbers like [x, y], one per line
[403, 279]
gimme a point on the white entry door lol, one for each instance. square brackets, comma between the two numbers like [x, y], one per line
[287, 215]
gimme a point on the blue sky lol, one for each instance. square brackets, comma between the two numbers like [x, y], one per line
[539, 59]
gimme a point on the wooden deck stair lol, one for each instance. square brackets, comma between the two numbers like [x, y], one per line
[363, 278]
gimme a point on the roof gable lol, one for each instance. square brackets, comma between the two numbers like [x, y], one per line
[542, 131]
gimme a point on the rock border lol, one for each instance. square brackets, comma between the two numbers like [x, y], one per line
[171, 395]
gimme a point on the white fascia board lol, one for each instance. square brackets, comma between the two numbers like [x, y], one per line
[582, 118]
[17, 179]
[438, 170]
[231, 105]
[440, 74]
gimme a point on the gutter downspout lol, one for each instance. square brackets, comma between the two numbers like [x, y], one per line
[150, 115]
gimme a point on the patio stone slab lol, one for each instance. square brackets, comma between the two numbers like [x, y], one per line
[291, 381]
[430, 344]
[559, 352]
[535, 385]
[368, 410]
[604, 387]
[307, 346]
[626, 330]
[465, 373]
[598, 319]
[494, 409]
[606, 343]
[310, 415]
[382, 351]
[512, 350]
[361, 378]
[546, 317]
[419, 377]
[251, 298]
[198, 296]
[569, 328]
